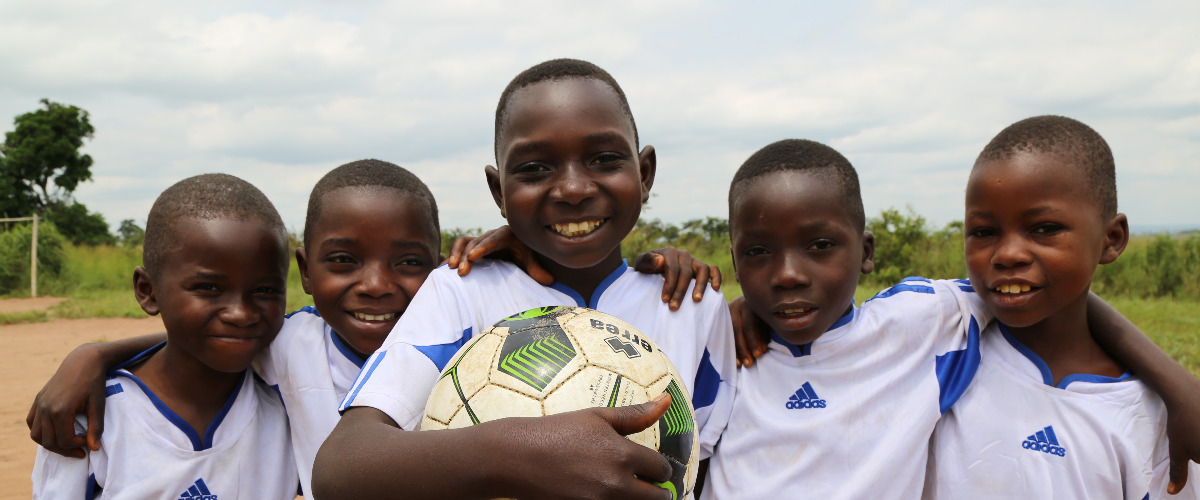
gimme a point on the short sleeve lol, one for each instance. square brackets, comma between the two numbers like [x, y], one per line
[56, 477]
[399, 377]
[716, 378]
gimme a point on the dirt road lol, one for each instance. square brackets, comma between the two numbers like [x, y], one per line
[31, 353]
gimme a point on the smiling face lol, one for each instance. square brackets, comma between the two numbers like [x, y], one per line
[570, 180]
[221, 291]
[797, 252]
[1034, 235]
[371, 250]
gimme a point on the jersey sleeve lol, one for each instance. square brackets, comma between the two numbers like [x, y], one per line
[951, 316]
[399, 377]
[56, 476]
[716, 379]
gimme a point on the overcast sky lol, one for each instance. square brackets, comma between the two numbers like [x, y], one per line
[280, 92]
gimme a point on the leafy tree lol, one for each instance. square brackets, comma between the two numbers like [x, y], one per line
[40, 160]
[131, 234]
[78, 225]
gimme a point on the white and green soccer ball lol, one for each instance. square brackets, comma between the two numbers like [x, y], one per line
[558, 359]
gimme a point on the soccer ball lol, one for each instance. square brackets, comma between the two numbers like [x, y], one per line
[557, 359]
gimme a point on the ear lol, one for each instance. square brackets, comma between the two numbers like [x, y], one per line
[647, 166]
[143, 291]
[493, 180]
[1116, 236]
[868, 259]
[302, 264]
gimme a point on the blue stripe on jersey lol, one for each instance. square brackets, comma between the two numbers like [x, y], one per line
[440, 354]
[362, 379]
[198, 443]
[93, 488]
[604, 284]
[113, 390]
[796, 350]
[708, 380]
[607, 282]
[1047, 377]
[346, 350]
[905, 285]
[308, 309]
[139, 358]
[955, 369]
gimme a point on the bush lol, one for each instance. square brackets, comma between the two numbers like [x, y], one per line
[15, 255]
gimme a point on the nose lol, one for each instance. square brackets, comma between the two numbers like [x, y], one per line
[1011, 252]
[376, 280]
[240, 312]
[573, 185]
[790, 271]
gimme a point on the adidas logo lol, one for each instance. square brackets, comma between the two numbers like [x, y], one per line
[197, 491]
[1044, 441]
[805, 397]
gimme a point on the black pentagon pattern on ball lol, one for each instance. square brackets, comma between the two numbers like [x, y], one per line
[536, 348]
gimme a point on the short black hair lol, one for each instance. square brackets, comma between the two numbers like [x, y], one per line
[369, 174]
[556, 69]
[1072, 141]
[803, 156]
[207, 196]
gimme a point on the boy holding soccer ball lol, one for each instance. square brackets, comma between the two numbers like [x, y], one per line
[571, 180]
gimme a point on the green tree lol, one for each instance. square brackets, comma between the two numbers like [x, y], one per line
[78, 225]
[40, 160]
[131, 234]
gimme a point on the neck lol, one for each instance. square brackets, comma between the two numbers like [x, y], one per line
[188, 387]
[1064, 342]
[585, 280]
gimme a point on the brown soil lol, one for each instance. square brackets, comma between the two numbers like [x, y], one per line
[28, 304]
[34, 352]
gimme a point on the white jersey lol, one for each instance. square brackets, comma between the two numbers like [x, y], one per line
[449, 310]
[148, 451]
[1014, 434]
[850, 414]
[312, 369]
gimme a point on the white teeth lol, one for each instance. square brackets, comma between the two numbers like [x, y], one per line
[800, 310]
[374, 317]
[1013, 289]
[576, 228]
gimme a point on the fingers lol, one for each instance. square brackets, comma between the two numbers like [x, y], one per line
[631, 419]
[744, 358]
[457, 250]
[702, 272]
[758, 335]
[532, 267]
[1178, 468]
[95, 418]
[716, 277]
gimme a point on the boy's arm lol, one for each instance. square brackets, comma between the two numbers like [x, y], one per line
[677, 266]
[1178, 388]
[579, 454]
[78, 388]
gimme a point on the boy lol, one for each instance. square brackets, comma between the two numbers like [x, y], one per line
[1041, 214]
[371, 236]
[570, 180]
[844, 401]
[187, 418]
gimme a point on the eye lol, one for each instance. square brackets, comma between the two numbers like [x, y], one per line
[980, 232]
[755, 251]
[340, 258]
[820, 245]
[411, 262]
[205, 288]
[1047, 228]
[530, 169]
[268, 290]
[607, 158]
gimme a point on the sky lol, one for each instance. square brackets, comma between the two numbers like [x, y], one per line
[280, 92]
